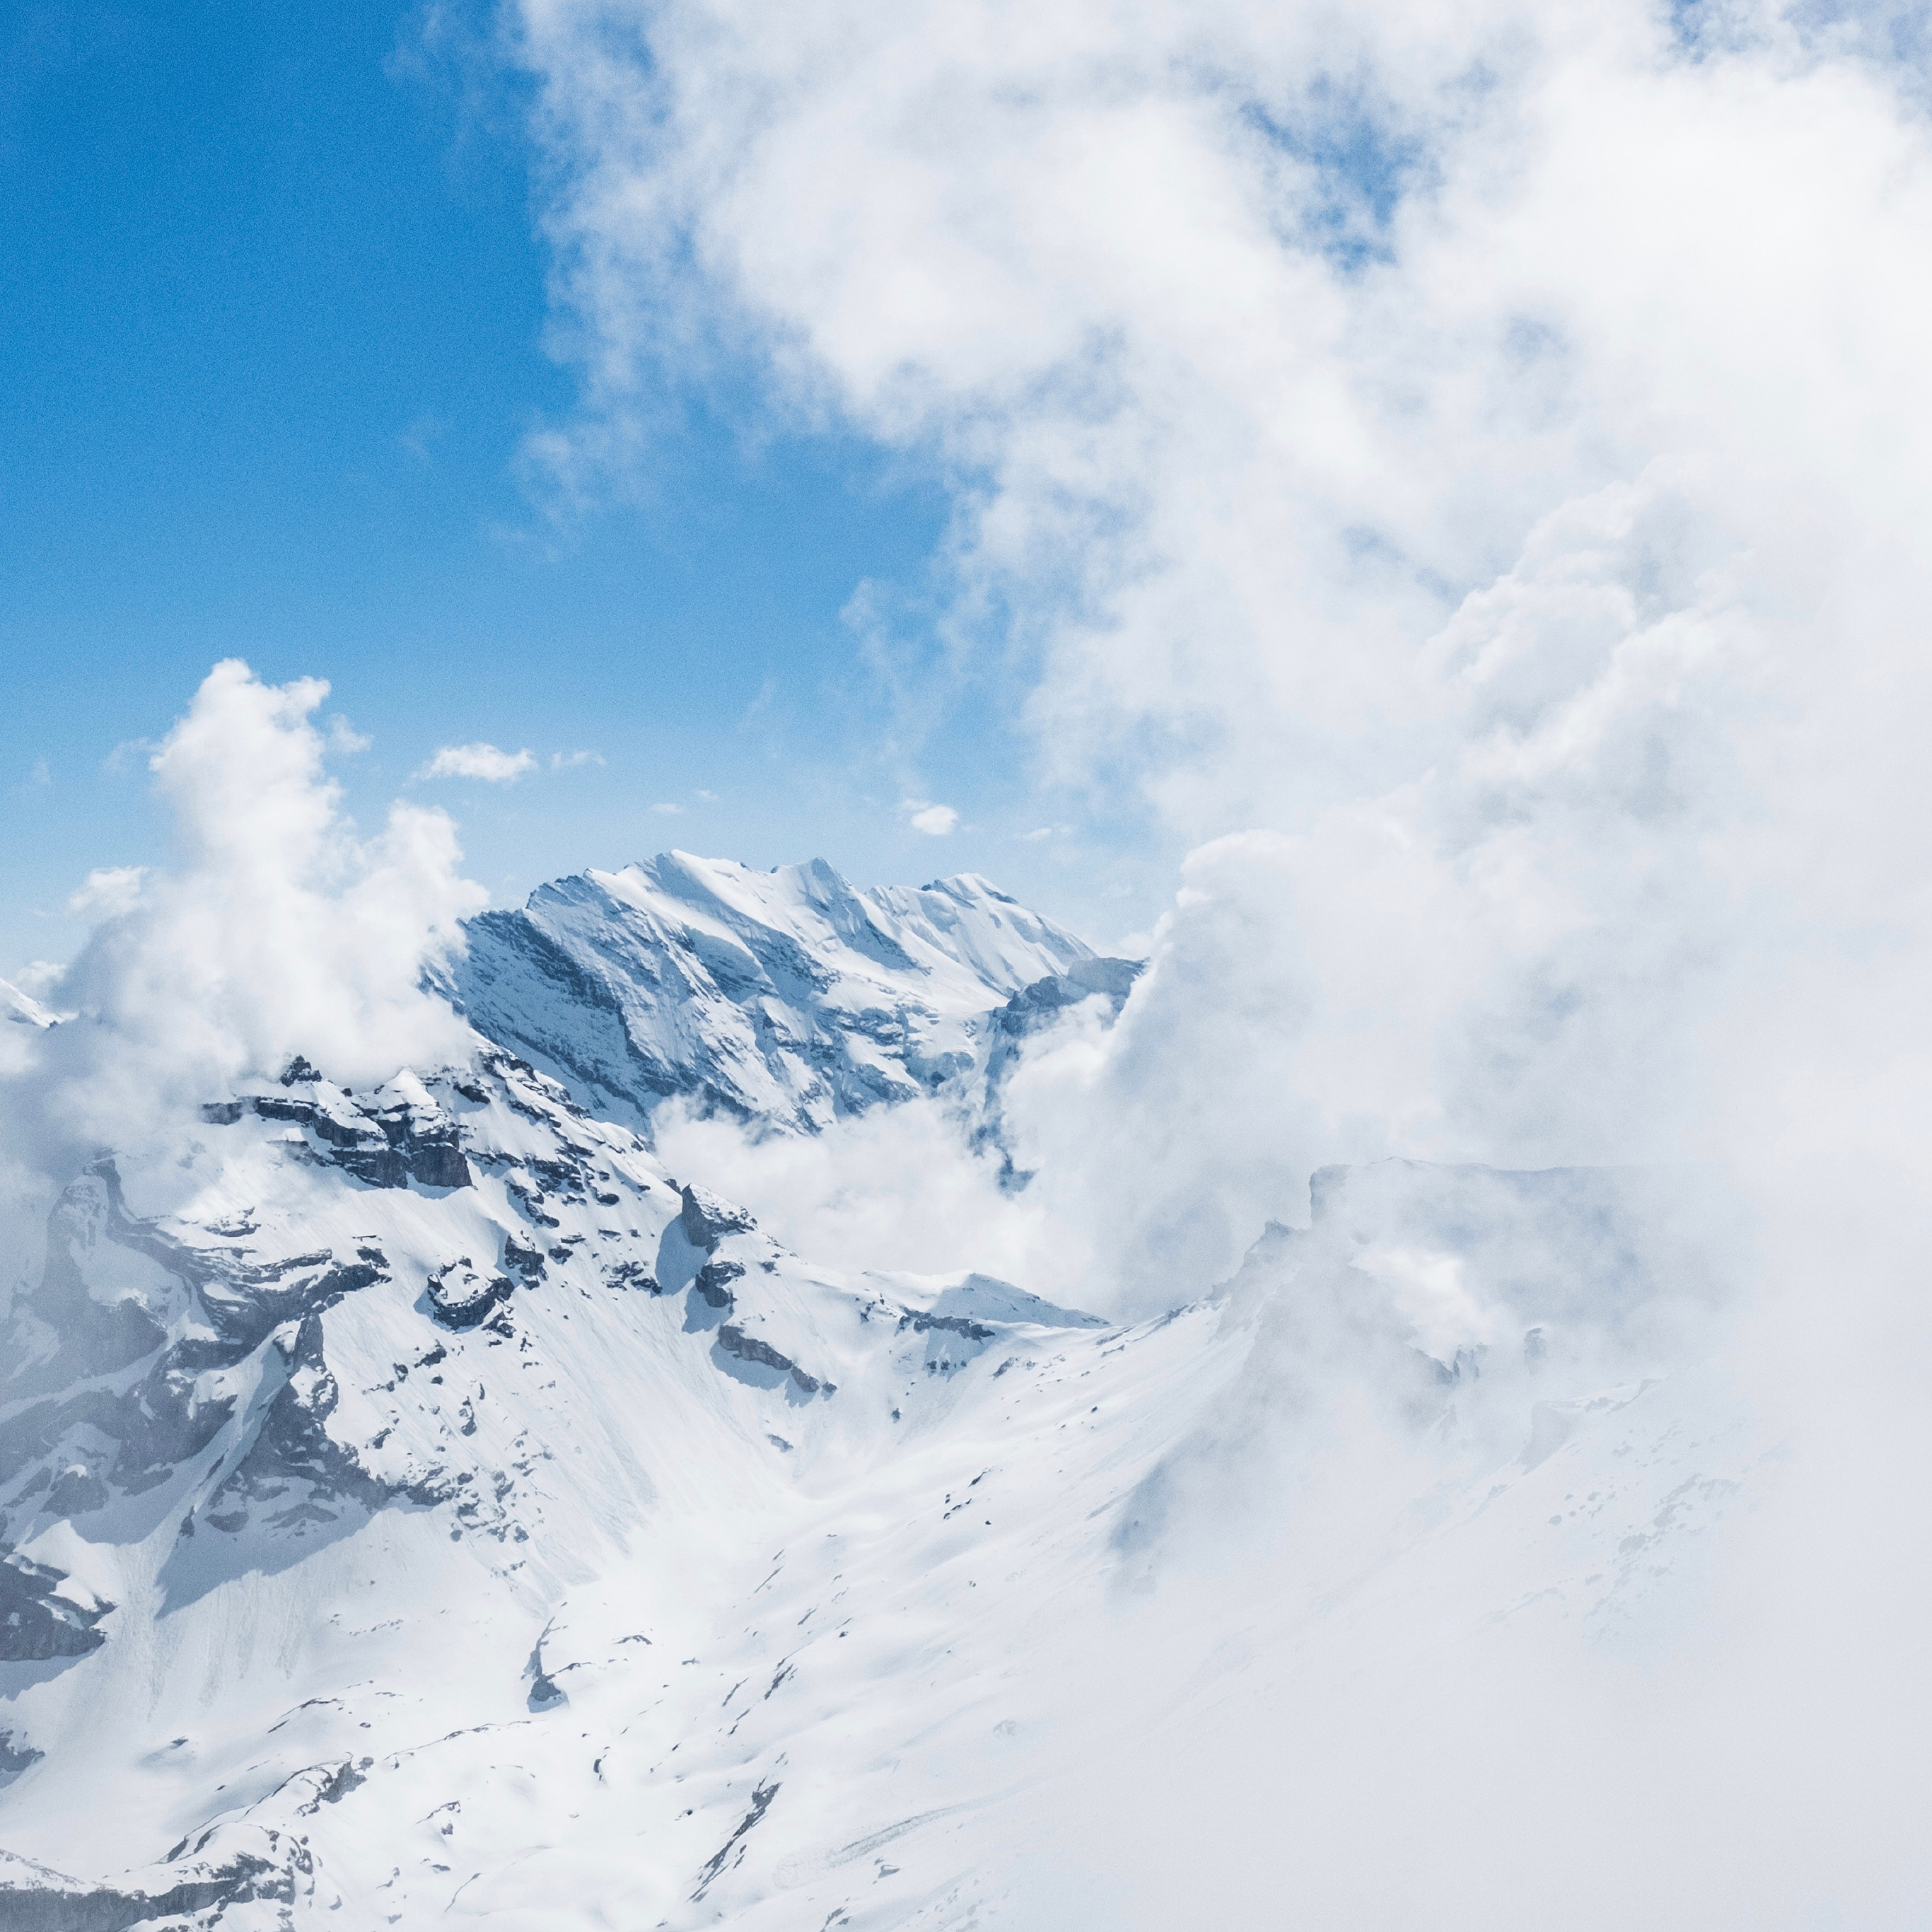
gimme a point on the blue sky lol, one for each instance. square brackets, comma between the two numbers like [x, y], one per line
[271, 327]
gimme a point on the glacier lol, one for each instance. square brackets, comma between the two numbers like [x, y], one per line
[420, 1506]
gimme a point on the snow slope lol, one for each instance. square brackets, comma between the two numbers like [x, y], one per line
[420, 1507]
[785, 998]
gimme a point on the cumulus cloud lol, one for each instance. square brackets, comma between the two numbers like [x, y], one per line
[281, 931]
[1496, 495]
[109, 890]
[482, 762]
[934, 820]
[38, 976]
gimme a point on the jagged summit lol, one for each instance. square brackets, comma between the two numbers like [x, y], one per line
[787, 998]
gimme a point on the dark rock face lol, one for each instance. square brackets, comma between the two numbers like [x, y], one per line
[749, 1348]
[16, 1756]
[460, 1298]
[714, 1281]
[294, 1462]
[36, 1624]
[632, 1274]
[708, 1217]
[60, 1905]
[385, 1148]
[523, 1259]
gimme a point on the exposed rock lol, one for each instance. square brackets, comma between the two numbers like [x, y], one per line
[459, 1298]
[294, 1463]
[749, 1348]
[709, 1217]
[17, 1756]
[714, 1281]
[38, 1621]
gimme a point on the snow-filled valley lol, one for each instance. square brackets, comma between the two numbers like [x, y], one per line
[421, 1506]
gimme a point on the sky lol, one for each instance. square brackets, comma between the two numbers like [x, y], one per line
[273, 338]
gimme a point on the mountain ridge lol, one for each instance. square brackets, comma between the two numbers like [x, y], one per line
[784, 999]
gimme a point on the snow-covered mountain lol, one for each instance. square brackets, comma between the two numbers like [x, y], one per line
[419, 1505]
[785, 998]
[21, 1007]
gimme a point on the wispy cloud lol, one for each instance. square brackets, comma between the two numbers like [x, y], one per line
[109, 891]
[422, 435]
[39, 977]
[565, 761]
[669, 810]
[483, 762]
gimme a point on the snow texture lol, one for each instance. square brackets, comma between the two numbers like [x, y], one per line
[786, 998]
[428, 1509]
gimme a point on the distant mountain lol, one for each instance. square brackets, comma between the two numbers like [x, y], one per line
[788, 997]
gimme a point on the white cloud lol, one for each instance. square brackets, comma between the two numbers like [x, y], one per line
[1461, 468]
[1496, 493]
[669, 810]
[934, 820]
[565, 761]
[281, 932]
[483, 762]
[109, 891]
[344, 738]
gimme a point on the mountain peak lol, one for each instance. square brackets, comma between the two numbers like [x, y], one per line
[785, 998]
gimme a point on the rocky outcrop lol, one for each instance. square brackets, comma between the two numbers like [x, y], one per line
[38, 1620]
[707, 1218]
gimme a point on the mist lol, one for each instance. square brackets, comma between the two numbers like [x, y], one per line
[1461, 473]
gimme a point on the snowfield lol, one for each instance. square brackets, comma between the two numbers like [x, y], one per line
[422, 1507]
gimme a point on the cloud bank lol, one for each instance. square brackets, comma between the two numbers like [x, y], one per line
[1462, 471]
